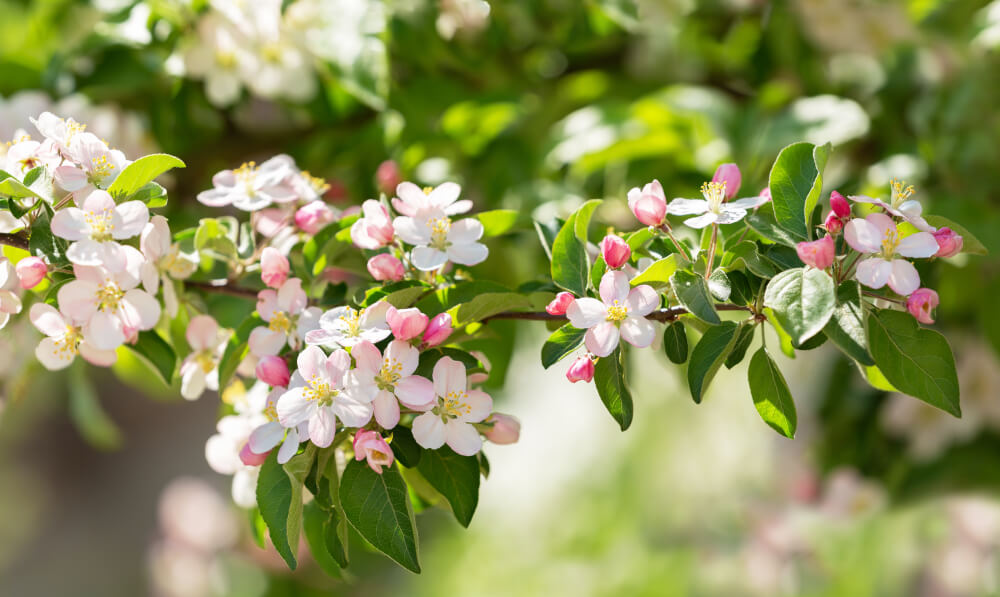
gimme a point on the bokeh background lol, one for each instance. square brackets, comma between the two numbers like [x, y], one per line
[535, 106]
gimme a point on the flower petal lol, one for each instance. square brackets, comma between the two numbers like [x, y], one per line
[586, 312]
[322, 427]
[920, 244]
[614, 287]
[293, 407]
[266, 437]
[415, 391]
[70, 223]
[352, 412]
[904, 278]
[642, 300]
[47, 320]
[687, 207]
[449, 376]
[463, 438]
[129, 219]
[51, 355]
[702, 220]
[104, 331]
[426, 259]
[290, 446]
[465, 231]
[638, 331]
[480, 406]
[386, 409]
[468, 254]
[264, 342]
[428, 431]
[602, 338]
[863, 236]
[874, 272]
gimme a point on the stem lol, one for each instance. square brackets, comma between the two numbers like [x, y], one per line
[659, 315]
[884, 298]
[224, 288]
[18, 240]
[846, 272]
[711, 250]
[666, 230]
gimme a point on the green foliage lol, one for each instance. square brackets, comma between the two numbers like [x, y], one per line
[796, 180]
[658, 274]
[87, 413]
[803, 300]
[609, 377]
[279, 499]
[692, 293]
[708, 355]
[378, 507]
[140, 173]
[456, 477]
[846, 328]
[561, 343]
[770, 393]
[236, 349]
[570, 267]
[157, 353]
[675, 343]
[497, 221]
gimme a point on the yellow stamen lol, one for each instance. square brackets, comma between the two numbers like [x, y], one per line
[109, 295]
[452, 406]
[389, 374]
[101, 224]
[890, 243]
[617, 312]
[280, 322]
[439, 232]
[320, 390]
[900, 191]
[715, 194]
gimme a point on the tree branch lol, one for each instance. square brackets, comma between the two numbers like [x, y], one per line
[19, 240]
[659, 315]
[224, 288]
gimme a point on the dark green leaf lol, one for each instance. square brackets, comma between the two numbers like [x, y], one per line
[763, 223]
[404, 447]
[743, 340]
[708, 355]
[747, 252]
[569, 259]
[803, 300]
[675, 342]
[846, 328]
[795, 183]
[609, 377]
[378, 507]
[155, 351]
[279, 498]
[456, 477]
[236, 350]
[561, 343]
[692, 293]
[316, 522]
[719, 285]
[770, 394]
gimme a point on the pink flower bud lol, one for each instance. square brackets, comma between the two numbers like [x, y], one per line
[559, 304]
[921, 303]
[949, 244]
[251, 459]
[839, 205]
[374, 230]
[650, 210]
[582, 369]
[405, 323]
[615, 251]
[388, 177]
[438, 330]
[765, 193]
[313, 216]
[506, 429]
[370, 445]
[729, 174]
[32, 270]
[386, 268]
[273, 267]
[818, 253]
[833, 224]
[273, 370]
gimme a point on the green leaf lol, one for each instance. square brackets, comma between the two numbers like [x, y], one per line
[279, 498]
[692, 293]
[236, 350]
[140, 172]
[399, 297]
[14, 188]
[970, 244]
[740, 294]
[335, 537]
[637, 239]
[487, 304]
[821, 154]
[875, 378]
[583, 215]
[498, 221]
[795, 181]
[379, 508]
[719, 286]
[747, 253]
[743, 340]
[803, 300]
[770, 394]
[764, 224]
[159, 355]
[569, 259]
[659, 272]
[609, 377]
[43, 243]
[708, 355]
[846, 328]
[915, 360]
[85, 410]
[456, 477]
[316, 522]
[152, 194]
[561, 343]
[675, 342]
[213, 235]
[404, 447]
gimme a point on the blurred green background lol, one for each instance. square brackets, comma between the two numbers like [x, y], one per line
[538, 106]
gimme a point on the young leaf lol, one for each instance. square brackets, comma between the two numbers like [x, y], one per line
[675, 342]
[155, 351]
[915, 360]
[497, 221]
[484, 305]
[561, 343]
[140, 172]
[692, 293]
[846, 328]
[970, 244]
[795, 182]
[279, 498]
[708, 355]
[609, 377]
[719, 285]
[152, 194]
[659, 272]
[747, 252]
[803, 300]
[763, 223]
[770, 394]
[378, 507]
[456, 477]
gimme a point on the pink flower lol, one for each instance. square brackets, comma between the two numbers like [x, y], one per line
[615, 251]
[386, 268]
[621, 312]
[949, 243]
[559, 304]
[582, 369]
[384, 379]
[274, 267]
[287, 316]
[765, 194]
[877, 235]
[649, 204]
[313, 216]
[405, 323]
[388, 176]
[344, 326]
[273, 370]
[95, 227]
[64, 340]
[818, 253]
[729, 174]
[371, 445]
[456, 408]
[921, 303]
[438, 330]
[249, 458]
[374, 230]
[31, 271]
[715, 208]
[506, 429]
[251, 187]
[839, 205]
[199, 369]
[833, 224]
[899, 205]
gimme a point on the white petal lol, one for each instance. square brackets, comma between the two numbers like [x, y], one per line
[467, 254]
[192, 381]
[290, 446]
[322, 427]
[51, 356]
[687, 207]
[602, 338]
[352, 412]
[129, 219]
[415, 391]
[874, 272]
[104, 331]
[426, 259]
[904, 278]
[449, 376]
[586, 312]
[428, 431]
[730, 214]
[47, 319]
[463, 438]
[70, 223]
[293, 407]
[614, 287]
[386, 410]
[465, 231]
[96, 356]
[480, 406]
[265, 342]
[863, 236]
[702, 220]
[638, 331]
[920, 244]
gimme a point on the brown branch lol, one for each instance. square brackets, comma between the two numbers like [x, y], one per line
[19, 240]
[659, 315]
[224, 288]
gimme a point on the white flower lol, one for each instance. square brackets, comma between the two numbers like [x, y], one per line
[288, 319]
[200, 369]
[95, 226]
[346, 327]
[10, 303]
[265, 437]
[449, 420]
[316, 394]
[437, 240]
[25, 155]
[222, 450]
[877, 235]
[412, 201]
[384, 380]
[220, 57]
[900, 205]
[92, 165]
[164, 262]
[60, 131]
[621, 312]
[251, 187]
[714, 208]
[64, 340]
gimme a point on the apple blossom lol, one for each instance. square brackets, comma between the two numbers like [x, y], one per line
[288, 318]
[405, 323]
[713, 209]
[620, 312]
[373, 447]
[346, 327]
[615, 251]
[164, 262]
[582, 369]
[388, 176]
[313, 216]
[648, 204]
[272, 370]
[449, 420]
[274, 267]
[269, 434]
[316, 395]
[437, 240]
[818, 253]
[899, 205]
[90, 165]
[559, 304]
[411, 201]
[833, 224]
[505, 430]
[877, 235]
[384, 379]
[311, 189]
[200, 369]
[25, 155]
[249, 458]
[219, 56]
[731, 176]
[251, 187]
[375, 229]
[438, 330]
[96, 225]
[61, 132]
[949, 243]
[839, 205]
[222, 450]
[386, 268]
[921, 303]
[31, 271]
[64, 340]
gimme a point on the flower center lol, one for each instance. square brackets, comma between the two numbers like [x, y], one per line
[100, 168]
[617, 311]
[205, 360]
[67, 346]
[29, 163]
[246, 174]
[889, 244]
[271, 413]
[319, 185]
[715, 194]
[101, 224]
[226, 60]
[73, 127]
[452, 406]
[352, 321]
[109, 295]
[427, 190]
[320, 391]
[377, 457]
[900, 191]
[439, 233]
[280, 322]
[389, 375]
